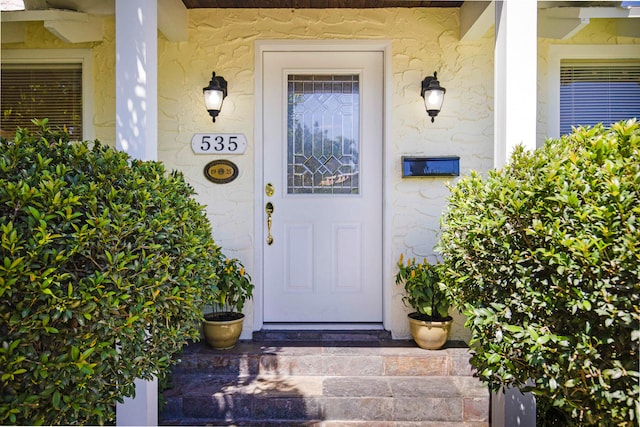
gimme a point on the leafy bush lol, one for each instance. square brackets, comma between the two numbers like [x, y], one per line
[424, 289]
[103, 264]
[545, 259]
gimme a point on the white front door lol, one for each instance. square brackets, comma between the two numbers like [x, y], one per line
[322, 180]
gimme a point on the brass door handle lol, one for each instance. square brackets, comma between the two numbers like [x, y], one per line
[269, 210]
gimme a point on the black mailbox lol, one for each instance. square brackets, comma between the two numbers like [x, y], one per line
[430, 166]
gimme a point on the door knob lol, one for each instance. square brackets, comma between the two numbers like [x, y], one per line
[269, 210]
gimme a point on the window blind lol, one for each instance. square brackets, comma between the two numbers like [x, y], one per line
[39, 91]
[592, 93]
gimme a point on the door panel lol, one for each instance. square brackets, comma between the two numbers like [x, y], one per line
[322, 116]
[347, 257]
[298, 258]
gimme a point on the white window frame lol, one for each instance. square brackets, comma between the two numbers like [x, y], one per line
[557, 53]
[62, 56]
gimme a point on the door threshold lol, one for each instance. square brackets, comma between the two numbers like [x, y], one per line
[331, 326]
[358, 337]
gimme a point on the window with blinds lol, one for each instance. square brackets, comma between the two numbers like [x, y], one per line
[39, 91]
[598, 92]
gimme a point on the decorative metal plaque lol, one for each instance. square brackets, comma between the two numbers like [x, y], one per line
[221, 171]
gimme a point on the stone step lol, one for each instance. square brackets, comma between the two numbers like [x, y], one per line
[348, 380]
[336, 359]
[215, 399]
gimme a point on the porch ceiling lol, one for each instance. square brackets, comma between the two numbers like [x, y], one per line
[75, 21]
[315, 4]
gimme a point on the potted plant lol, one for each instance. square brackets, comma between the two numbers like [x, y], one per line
[424, 292]
[223, 326]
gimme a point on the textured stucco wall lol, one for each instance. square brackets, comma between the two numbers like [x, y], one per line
[423, 40]
[104, 85]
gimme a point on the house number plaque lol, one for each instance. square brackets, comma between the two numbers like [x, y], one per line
[219, 143]
[221, 171]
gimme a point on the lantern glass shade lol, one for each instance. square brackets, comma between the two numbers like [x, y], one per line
[433, 99]
[213, 99]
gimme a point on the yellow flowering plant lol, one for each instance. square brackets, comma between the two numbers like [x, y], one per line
[234, 287]
[424, 289]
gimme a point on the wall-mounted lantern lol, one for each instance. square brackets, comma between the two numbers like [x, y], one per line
[433, 95]
[214, 94]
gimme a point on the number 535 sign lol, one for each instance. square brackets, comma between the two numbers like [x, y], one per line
[219, 143]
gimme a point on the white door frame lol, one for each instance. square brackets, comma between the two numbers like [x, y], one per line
[262, 46]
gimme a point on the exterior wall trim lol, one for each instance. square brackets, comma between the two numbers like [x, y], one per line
[262, 46]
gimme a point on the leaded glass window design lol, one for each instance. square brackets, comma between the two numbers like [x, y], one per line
[323, 122]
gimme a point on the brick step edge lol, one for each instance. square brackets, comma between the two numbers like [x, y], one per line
[263, 386]
[214, 399]
[323, 423]
[340, 362]
[253, 410]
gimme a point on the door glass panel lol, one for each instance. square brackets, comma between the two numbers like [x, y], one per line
[323, 122]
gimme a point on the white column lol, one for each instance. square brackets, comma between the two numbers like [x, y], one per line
[137, 78]
[512, 408]
[137, 134]
[515, 77]
[514, 123]
[141, 410]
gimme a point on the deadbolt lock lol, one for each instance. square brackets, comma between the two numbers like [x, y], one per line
[269, 190]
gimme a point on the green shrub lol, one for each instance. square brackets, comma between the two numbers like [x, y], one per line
[544, 256]
[103, 262]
